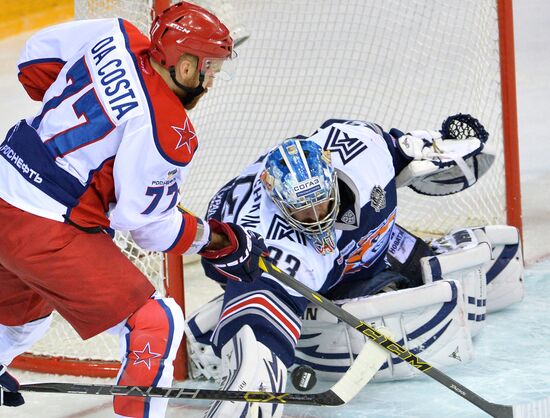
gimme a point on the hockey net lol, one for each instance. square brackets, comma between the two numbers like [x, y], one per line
[399, 63]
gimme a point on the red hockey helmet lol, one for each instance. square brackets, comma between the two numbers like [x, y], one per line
[188, 28]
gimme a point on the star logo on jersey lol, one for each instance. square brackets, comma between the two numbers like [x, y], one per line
[187, 134]
[347, 147]
[145, 356]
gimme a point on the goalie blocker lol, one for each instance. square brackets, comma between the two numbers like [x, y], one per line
[466, 274]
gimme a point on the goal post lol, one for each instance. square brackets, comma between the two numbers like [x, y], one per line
[399, 63]
[509, 113]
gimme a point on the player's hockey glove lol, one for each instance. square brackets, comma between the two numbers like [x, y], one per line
[9, 386]
[238, 261]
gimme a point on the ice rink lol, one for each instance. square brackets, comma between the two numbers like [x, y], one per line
[511, 364]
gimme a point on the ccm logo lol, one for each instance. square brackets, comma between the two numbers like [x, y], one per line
[179, 27]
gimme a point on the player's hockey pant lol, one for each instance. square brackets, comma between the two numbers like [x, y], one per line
[150, 339]
[47, 265]
[271, 312]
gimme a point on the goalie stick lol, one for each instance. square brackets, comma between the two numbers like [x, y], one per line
[536, 409]
[358, 375]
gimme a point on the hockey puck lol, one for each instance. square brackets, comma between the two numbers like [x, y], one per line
[303, 378]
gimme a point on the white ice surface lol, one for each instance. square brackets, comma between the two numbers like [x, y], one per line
[511, 367]
[511, 363]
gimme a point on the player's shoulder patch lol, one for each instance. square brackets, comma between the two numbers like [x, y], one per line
[136, 41]
[346, 144]
[173, 132]
[176, 139]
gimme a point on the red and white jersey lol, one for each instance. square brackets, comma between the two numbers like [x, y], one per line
[111, 144]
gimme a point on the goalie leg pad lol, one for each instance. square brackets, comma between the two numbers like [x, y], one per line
[203, 363]
[149, 341]
[428, 320]
[464, 263]
[250, 366]
[505, 271]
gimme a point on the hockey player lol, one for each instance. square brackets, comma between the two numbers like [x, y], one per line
[109, 151]
[327, 207]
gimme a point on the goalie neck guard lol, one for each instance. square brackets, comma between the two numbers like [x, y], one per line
[301, 181]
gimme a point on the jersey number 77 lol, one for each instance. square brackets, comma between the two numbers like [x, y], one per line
[96, 124]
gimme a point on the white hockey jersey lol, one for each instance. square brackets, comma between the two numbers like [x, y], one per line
[111, 144]
[365, 165]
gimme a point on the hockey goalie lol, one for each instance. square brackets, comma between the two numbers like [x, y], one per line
[327, 207]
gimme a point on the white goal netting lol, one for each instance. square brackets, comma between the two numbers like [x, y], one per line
[400, 63]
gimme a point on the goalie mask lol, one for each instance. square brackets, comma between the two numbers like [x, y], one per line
[301, 181]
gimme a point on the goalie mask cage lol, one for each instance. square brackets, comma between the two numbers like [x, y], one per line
[400, 63]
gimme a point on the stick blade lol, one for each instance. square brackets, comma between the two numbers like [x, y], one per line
[46, 387]
[365, 366]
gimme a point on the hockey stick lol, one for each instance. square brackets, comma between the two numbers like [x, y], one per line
[358, 375]
[537, 409]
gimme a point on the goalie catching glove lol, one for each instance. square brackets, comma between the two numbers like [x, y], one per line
[239, 260]
[447, 161]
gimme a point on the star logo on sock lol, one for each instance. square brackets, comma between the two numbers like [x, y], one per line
[144, 356]
[187, 134]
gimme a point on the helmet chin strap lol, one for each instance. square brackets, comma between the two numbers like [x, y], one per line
[192, 92]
